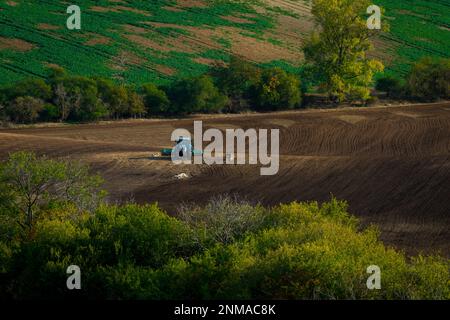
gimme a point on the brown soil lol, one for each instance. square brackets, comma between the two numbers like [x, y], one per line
[165, 70]
[46, 26]
[208, 62]
[192, 3]
[236, 19]
[15, 44]
[392, 164]
[95, 39]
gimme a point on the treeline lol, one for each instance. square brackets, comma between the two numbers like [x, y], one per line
[428, 80]
[237, 87]
[227, 249]
[62, 97]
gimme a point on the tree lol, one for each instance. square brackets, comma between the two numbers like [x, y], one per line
[32, 182]
[392, 86]
[2, 111]
[155, 99]
[197, 94]
[66, 101]
[36, 88]
[78, 100]
[55, 73]
[49, 113]
[236, 81]
[135, 103]
[338, 52]
[224, 219]
[429, 79]
[25, 109]
[277, 90]
[114, 97]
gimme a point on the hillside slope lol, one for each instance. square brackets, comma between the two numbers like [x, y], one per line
[391, 164]
[161, 40]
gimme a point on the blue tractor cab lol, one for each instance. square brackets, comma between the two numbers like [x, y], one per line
[184, 145]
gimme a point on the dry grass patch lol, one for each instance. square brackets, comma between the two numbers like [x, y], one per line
[142, 12]
[237, 19]
[208, 62]
[97, 39]
[103, 9]
[134, 29]
[192, 3]
[165, 70]
[46, 26]
[15, 44]
[172, 9]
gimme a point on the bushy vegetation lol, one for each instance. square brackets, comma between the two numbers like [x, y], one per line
[393, 87]
[236, 87]
[228, 249]
[155, 100]
[427, 80]
[277, 90]
[198, 94]
[63, 97]
[30, 183]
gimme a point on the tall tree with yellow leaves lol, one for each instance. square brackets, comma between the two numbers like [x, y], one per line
[337, 52]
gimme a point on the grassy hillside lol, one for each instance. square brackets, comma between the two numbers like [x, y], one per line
[417, 28]
[166, 39]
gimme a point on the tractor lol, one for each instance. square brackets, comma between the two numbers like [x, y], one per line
[184, 145]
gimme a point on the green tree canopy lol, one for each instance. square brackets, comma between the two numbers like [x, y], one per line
[155, 99]
[197, 94]
[338, 52]
[429, 79]
[29, 183]
[237, 81]
[25, 109]
[277, 90]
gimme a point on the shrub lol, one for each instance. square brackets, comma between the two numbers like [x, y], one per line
[77, 99]
[307, 251]
[118, 100]
[113, 97]
[196, 95]
[429, 79]
[223, 219]
[30, 183]
[142, 237]
[25, 109]
[49, 113]
[393, 87]
[155, 99]
[277, 90]
[36, 88]
[292, 251]
[236, 81]
[135, 104]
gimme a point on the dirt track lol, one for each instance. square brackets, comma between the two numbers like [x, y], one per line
[391, 164]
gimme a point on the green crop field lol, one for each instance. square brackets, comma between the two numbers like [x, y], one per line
[417, 28]
[161, 40]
